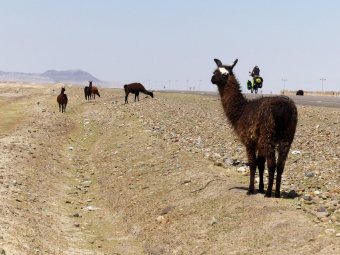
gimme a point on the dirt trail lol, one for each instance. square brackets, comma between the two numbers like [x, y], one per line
[100, 180]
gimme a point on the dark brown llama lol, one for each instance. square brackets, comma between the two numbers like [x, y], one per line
[263, 125]
[62, 100]
[87, 92]
[135, 88]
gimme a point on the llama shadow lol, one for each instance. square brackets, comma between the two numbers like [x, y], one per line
[290, 195]
[284, 195]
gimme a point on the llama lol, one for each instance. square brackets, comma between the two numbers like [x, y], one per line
[91, 91]
[263, 125]
[95, 92]
[135, 88]
[62, 100]
[87, 93]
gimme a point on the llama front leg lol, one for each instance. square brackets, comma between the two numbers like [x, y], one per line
[260, 163]
[252, 166]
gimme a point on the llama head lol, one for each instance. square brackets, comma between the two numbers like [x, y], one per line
[151, 94]
[222, 72]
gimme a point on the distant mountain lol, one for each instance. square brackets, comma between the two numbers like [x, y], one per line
[72, 75]
[50, 76]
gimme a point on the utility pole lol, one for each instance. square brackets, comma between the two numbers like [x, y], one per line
[284, 84]
[322, 80]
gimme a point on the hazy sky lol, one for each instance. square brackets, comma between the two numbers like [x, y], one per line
[173, 43]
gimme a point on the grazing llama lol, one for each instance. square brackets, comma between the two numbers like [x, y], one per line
[264, 125]
[135, 88]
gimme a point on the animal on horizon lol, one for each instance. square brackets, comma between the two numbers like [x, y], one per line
[299, 92]
[263, 125]
[135, 88]
[62, 100]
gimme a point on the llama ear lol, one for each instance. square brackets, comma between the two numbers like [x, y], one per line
[218, 62]
[235, 62]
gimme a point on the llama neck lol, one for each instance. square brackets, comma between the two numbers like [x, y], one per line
[146, 92]
[232, 99]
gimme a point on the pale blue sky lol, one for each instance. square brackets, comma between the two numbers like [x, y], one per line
[157, 41]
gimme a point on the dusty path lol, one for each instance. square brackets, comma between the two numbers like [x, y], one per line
[107, 178]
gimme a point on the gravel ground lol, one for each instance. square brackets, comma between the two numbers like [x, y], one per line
[160, 176]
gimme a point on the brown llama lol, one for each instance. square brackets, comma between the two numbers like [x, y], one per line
[135, 88]
[263, 125]
[92, 91]
[62, 100]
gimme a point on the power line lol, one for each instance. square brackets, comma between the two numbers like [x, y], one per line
[322, 80]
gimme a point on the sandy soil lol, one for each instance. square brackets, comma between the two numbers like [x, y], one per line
[152, 177]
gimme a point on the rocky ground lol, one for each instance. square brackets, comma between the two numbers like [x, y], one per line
[160, 176]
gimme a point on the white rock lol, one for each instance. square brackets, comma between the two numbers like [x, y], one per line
[296, 152]
[91, 208]
[242, 169]
[213, 221]
[160, 218]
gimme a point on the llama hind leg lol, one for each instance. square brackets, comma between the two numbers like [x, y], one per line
[271, 164]
[260, 163]
[252, 166]
[282, 156]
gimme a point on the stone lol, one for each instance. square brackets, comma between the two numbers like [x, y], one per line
[321, 215]
[91, 208]
[309, 174]
[242, 169]
[330, 231]
[166, 210]
[160, 219]
[322, 209]
[307, 198]
[296, 152]
[213, 221]
[317, 192]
